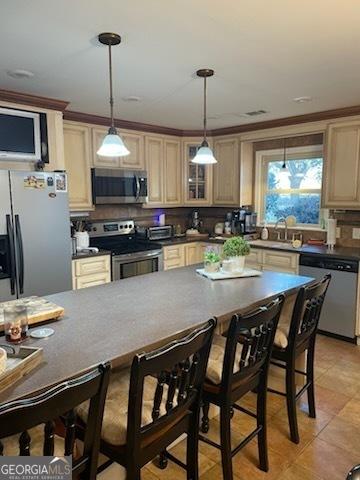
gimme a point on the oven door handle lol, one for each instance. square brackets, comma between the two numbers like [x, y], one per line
[133, 257]
[10, 232]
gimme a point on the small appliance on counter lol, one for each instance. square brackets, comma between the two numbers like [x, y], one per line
[155, 233]
[243, 221]
[195, 225]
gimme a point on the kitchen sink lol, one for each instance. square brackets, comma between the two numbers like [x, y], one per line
[272, 244]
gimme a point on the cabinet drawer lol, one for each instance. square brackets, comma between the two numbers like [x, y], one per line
[174, 252]
[89, 266]
[255, 256]
[174, 263]
[284, 261]
[92, 280]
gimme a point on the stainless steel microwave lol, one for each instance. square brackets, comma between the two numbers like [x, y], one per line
[116, 186]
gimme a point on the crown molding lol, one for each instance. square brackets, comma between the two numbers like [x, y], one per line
[286, 121]
[126, 124]
[61, 105]
[32, 100]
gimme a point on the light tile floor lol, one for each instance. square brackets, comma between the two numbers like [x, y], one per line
[329, 446]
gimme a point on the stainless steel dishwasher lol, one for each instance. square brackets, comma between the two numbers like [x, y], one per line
[338, 317]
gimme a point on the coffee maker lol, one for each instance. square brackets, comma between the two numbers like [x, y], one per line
[243, 221]
[195, 221]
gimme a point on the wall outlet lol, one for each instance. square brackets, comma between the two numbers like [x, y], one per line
[356, 233]
[338, 232]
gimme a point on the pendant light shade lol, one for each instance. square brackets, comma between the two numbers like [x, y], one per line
[204, 155]
[112, 145]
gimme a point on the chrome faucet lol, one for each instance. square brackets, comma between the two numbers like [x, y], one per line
[281, 219]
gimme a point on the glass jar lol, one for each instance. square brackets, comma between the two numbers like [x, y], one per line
[16, 323]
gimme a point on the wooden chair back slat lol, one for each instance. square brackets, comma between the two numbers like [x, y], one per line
[306, 313]
[19, 416]
[180, 371]
[254, 333]
[49, 431]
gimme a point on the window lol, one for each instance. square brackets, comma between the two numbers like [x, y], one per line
[296, 193]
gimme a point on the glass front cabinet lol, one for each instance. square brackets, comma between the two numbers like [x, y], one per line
[198, 178]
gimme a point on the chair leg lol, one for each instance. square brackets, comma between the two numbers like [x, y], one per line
[133, 473]
[162, 462]
[261, 422]
[225, 442]
[205, 426]
[192, 449]
[291, 402]
[310, 379]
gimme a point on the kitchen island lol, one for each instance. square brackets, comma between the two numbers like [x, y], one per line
[114, 321]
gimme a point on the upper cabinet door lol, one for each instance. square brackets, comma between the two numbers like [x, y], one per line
[98, 135]
[341, 179]
[135, 144]
[154, 149]
[226, 172]
[197, 178]
[172, 172]
[77, 153]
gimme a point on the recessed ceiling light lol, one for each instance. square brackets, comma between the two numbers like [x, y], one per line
[19, 73]
[302, 99]
[132, 98]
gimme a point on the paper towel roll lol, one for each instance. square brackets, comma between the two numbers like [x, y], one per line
[331, 232]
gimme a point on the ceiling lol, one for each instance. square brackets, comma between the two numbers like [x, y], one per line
[264, 54]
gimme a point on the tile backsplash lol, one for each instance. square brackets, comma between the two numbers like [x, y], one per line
[346, 220]
[150, 216]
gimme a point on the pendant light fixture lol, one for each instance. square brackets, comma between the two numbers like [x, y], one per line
[284, 168]
[204, 155]
[112, 145]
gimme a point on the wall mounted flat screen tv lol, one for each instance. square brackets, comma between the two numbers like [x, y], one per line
[20, 137]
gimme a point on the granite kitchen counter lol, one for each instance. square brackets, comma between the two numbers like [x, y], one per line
[100, 253]
[113, 321]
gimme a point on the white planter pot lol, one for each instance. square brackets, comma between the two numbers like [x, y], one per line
[211, 267]
[238, 263]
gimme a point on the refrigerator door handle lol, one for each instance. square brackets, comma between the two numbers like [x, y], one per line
[10, 232]
[20, 253]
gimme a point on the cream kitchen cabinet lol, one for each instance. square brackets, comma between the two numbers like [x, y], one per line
[182, 255]
[134, 143]
[91, 271]
[226, 176]
[163, 165]
[197, 178]
[341, 177]
[193, 253]
[275, 260]
[77, 154]
[174, 256]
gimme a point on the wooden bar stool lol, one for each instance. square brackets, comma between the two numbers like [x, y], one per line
[28, 426]
[237, 365]
[150, 406]
[300, 338]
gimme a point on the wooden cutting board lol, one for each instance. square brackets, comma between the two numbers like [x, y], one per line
[39, 310]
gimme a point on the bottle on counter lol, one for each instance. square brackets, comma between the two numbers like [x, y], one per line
[264, 233]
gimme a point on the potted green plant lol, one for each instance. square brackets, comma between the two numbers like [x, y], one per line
[211, 261]
[235, 251]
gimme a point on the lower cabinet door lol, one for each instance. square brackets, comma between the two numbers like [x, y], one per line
[92, 280]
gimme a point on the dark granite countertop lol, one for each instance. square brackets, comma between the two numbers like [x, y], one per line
[100, 253]
[341, 253]
[179, 240]
[113, 321]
